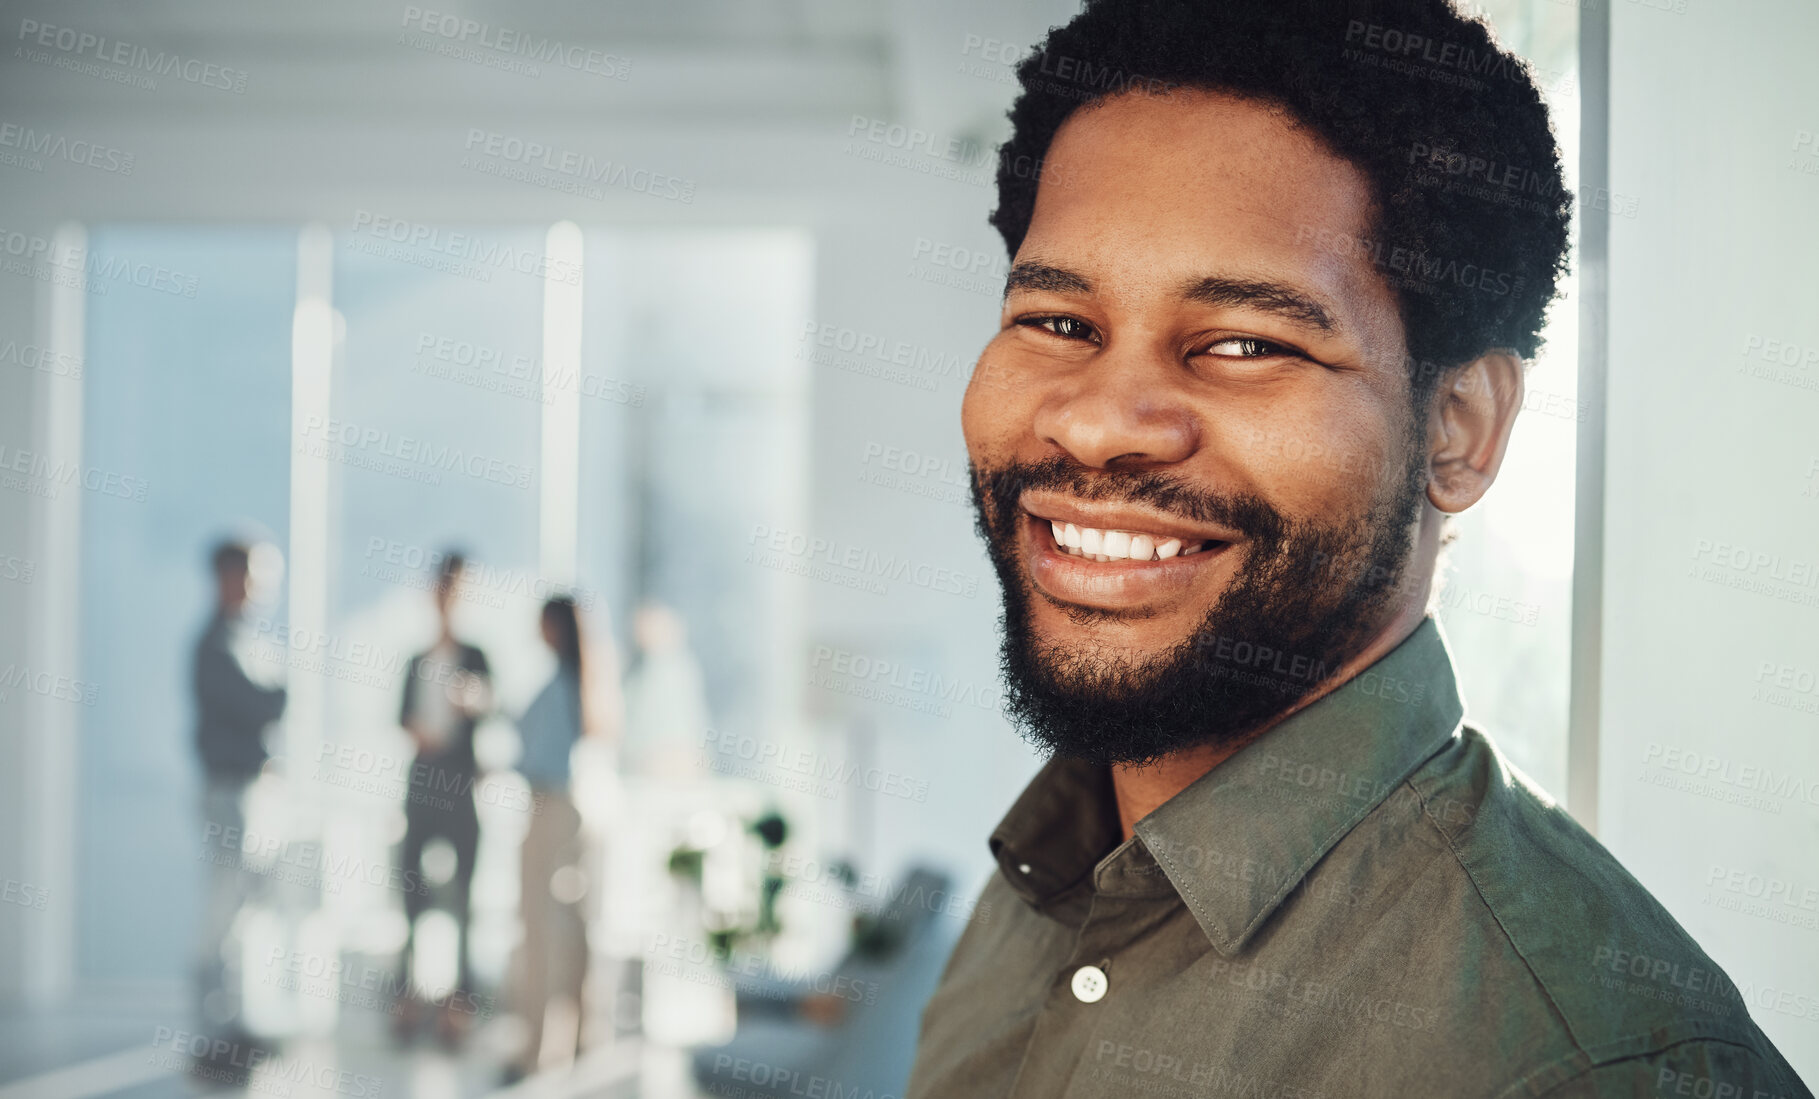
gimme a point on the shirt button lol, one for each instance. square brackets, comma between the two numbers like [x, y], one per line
[1089, 984]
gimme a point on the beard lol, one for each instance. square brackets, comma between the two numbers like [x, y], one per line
[1306, 597]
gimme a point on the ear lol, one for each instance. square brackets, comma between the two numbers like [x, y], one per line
[1469, 427]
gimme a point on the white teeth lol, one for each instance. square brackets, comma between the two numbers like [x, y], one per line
[1120, 545]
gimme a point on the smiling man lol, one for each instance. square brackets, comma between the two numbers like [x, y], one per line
[1264, 331]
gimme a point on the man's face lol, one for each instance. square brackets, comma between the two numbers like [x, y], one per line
[1182, 363]
[232, 587]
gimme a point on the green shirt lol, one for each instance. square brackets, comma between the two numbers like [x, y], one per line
[1368, 900]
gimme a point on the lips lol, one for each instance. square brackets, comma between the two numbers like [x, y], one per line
[1114, 558]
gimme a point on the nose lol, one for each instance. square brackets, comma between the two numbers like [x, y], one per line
[1121, 410]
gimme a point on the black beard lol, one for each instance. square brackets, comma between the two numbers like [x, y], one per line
[1307, 597]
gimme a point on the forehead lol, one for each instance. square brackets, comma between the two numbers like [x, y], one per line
[1155, 188]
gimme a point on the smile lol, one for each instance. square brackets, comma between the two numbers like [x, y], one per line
[1118, 557]
[1120, 545]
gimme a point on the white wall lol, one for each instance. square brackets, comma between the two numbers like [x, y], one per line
[1720, 249]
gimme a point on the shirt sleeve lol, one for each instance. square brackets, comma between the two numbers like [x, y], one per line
[1706, 1069]
[225, 690]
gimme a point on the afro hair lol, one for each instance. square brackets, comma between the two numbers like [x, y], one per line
[1471, 220]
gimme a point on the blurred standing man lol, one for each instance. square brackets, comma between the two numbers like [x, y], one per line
[447, 689]
[232, 712]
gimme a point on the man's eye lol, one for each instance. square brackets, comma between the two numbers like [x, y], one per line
[1068, 328]
[1249, 347]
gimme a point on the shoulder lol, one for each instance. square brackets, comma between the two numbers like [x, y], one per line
[1608, 963]
[1709, 1069]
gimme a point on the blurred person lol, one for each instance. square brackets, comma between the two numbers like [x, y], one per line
[666, 713]
[553, 953]
[232, 714]
[1254, 351]
[447, 690]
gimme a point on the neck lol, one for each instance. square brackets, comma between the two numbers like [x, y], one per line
[1141, 789]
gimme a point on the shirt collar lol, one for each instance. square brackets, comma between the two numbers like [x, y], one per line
[1238, 840]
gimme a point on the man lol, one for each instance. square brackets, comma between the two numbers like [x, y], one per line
[1258, 342]
[232, 712]
[447, 689]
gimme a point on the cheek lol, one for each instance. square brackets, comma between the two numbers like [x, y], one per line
[1313, 464]
[994, 406]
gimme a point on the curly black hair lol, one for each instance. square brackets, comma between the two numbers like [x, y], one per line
[1471, 214]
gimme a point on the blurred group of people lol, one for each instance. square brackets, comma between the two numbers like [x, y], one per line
[446, 693]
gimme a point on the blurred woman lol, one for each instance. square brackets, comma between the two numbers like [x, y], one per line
[553, 953]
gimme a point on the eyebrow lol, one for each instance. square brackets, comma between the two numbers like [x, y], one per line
[1040, 276]
[1268, 297]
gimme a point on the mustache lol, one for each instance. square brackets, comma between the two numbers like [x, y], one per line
[1005, 485]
